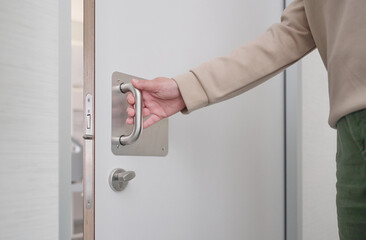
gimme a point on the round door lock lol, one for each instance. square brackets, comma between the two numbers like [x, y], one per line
[119, 178]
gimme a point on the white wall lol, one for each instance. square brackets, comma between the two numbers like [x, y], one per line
[318, 150]
[29, 119]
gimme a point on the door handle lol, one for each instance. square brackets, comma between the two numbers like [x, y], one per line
[138, 119]
[135, 140]
[119, 178]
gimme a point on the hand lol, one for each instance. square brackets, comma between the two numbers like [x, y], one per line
[161, 99]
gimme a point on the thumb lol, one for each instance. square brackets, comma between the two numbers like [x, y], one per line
[146, 85]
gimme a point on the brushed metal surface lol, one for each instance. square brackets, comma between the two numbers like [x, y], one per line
[154, 140]
[119, 178]
[88, 145]
[138, 119]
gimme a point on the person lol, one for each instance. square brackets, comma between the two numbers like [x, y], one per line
[338, 29]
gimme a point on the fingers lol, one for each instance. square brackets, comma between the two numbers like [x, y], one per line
[146, 85]
[130, 99]
[130, 111]
[145, 112]
[151, 120]
[147, 123]
[129, 121]
[131, 114]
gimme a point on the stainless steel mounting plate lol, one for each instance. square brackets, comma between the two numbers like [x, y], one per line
[152, 142]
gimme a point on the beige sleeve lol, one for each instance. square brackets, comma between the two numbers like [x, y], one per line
[251, 64]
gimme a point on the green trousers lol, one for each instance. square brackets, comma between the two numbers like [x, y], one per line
[351, 176]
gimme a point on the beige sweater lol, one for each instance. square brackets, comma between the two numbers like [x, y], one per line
[336, 27]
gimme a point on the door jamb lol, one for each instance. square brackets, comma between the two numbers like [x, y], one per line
[293, 186]
[89, 137]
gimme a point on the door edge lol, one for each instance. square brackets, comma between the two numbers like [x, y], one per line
[89, 119]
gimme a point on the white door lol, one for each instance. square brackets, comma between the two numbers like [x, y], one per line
[223, 177]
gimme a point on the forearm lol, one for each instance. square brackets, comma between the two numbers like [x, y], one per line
[248, 66]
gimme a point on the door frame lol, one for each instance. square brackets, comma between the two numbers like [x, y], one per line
[293, 169]
[89, 137]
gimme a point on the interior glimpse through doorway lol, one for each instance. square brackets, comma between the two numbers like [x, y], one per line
[77, 118]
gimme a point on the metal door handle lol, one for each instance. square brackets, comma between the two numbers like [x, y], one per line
[126, 176]
[119, 178]
[138, 119]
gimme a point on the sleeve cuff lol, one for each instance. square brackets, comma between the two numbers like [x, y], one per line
[194, 96]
